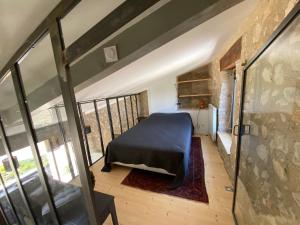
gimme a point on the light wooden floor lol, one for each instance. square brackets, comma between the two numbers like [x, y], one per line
[138, 207]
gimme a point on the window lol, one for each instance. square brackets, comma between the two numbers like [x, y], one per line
[232, 90]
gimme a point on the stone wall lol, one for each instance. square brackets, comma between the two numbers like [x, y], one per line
[225, 157]
[268, 189]
[143, 104]
[255, 32]
[225, 101]
[90, 119]
[94, 137]
[194, 87]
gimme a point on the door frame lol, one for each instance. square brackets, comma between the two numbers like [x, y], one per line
[281, 28]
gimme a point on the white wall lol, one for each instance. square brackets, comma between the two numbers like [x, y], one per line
[162, 97]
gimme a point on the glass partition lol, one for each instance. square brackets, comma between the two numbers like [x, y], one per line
[22, 155]
[268, 178]
[6, 207]
[43, 94]
[41, 183]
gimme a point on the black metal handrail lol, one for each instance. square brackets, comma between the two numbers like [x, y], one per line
[120, 108]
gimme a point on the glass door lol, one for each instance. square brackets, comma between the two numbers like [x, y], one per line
[268, 181]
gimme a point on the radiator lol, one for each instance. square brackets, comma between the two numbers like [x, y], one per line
[213, 121]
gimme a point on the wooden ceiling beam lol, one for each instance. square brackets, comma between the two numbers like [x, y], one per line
[110, 24]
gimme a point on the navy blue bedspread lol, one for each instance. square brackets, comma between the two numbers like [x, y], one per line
[163, 140]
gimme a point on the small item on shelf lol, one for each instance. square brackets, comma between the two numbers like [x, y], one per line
[202, 104]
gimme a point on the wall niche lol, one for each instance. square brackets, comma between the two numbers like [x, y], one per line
[194, 89]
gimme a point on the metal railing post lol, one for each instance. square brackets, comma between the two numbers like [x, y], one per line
[119, 115]
[99, 126]
[126, 113]
[110, 119]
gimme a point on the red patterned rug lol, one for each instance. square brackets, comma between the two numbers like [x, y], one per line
[194, 184]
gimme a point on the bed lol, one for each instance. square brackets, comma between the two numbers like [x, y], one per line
[162, 141]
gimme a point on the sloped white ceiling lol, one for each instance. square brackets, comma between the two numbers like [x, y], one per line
[191, 50]
[18, 19]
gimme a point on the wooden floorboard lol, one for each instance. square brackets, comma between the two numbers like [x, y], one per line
[138, 207]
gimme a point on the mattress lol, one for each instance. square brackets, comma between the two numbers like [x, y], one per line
[163, 141]
[144, 167]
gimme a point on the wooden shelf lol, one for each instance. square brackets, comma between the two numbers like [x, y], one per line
[193, 108]
[192, 81]
[193, 89]
[196, 95]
